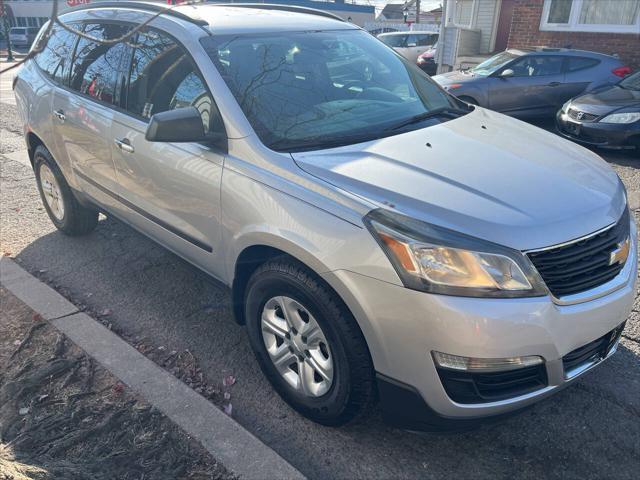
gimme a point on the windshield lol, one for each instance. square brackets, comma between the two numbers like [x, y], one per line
[493, 64]
[632, 82]
[313, 90]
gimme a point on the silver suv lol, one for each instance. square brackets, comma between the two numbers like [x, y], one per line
[381, 239]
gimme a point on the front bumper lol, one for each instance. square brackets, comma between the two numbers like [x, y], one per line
[612, 135]
[402, 327]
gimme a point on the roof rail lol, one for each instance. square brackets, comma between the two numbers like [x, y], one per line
[149, 7]
[284, 8]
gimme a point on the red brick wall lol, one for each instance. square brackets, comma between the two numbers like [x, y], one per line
[525, 32]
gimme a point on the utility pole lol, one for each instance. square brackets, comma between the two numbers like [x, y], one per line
[417, 11]
[5, 24]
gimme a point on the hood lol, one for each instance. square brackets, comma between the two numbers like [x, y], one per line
[605, 100]
[484, 174]
[457, 76]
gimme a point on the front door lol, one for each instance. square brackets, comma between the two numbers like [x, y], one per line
[534, 88]
[169, 190]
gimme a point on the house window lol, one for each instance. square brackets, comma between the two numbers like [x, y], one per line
[610, 16]
[460, 13]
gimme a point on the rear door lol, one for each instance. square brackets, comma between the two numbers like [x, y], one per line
[171, 191]
[579, 73]
[83, 112]
[534, 89]
[55, 62]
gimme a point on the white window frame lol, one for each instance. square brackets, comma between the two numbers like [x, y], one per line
[574, 26]
[451, 15]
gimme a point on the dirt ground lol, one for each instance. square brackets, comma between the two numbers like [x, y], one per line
[62, 416]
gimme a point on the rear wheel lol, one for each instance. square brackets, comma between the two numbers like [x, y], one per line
[308, 344]
[64, 210]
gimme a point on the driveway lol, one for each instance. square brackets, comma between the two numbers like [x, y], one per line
[590, 430]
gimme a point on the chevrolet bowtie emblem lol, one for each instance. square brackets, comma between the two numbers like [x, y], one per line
[620, 254]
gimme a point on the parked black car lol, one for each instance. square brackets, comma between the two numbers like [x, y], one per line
[608, 116]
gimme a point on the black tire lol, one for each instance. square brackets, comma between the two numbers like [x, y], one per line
[353, 389]
[77, 219]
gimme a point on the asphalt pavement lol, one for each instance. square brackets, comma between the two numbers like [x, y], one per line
[590, 430]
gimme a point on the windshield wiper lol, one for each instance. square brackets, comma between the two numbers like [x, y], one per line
[438, 112]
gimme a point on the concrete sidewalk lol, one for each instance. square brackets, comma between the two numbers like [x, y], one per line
[237, 449]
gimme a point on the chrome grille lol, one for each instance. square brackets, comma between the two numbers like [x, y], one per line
[584, 264]
[581, 116]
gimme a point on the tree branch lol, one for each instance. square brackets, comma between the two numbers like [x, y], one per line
[43, 39]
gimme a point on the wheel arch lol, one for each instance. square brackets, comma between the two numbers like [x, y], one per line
[33, 142]
[256, 249]
[252, 255]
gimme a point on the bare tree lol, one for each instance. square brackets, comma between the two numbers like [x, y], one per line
[43, 39]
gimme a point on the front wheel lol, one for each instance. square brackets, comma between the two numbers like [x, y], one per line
[308, 344]
[64, 210]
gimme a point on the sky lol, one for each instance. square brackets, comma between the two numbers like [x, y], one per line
[425, 5]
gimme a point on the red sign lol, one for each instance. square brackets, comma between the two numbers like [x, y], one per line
[75, 3]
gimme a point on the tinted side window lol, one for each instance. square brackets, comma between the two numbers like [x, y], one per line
[395, 40]
[532, 66]
[55, 58]
[426, 40]
[163, 77]
[95, 66]
[580, 63]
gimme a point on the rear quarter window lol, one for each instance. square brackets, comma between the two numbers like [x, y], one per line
[55, 58]
[580, 63]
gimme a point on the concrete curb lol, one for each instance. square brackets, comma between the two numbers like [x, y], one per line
[236, 448]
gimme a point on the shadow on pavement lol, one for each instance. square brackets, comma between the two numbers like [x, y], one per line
[586, 431]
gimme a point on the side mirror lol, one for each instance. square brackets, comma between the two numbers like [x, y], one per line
[506, 73]
[179, 125]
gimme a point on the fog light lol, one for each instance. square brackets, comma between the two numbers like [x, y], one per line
[468, 364]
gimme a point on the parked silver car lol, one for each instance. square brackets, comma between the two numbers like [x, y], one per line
[409, 44]
[380, 238]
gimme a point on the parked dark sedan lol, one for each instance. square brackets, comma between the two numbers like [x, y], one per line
[533, 82]
[607, 117]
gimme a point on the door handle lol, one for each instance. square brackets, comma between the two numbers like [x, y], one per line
[60, 115]
[124, 145]
[553, 84]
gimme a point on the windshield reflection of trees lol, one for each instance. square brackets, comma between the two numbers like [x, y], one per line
[308, 89]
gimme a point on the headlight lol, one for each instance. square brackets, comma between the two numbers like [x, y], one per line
[565, 107]
[628, 117]
[437, 260]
